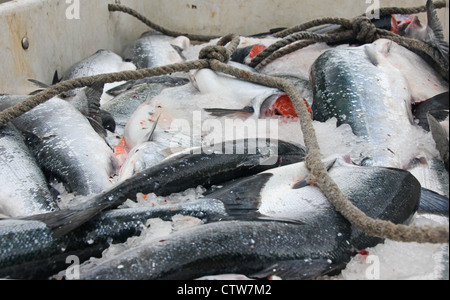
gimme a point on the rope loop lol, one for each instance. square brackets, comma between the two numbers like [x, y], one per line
[365, 31]
[219, 53]
[216, 58]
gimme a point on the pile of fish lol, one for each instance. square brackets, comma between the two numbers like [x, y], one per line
[77, 172]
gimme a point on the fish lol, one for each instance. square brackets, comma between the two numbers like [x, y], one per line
[87, 101]
[172, 105]
[432, 33]
[201, 166]
[123, 108]
[154, 49]
[297, 64]
[357, 87]
[24, 189]
[101, 62]
[145, 156]
[258, 100]
[318, 241]
[130, 95]
[65, 145]
[424, 82]
[31, 252]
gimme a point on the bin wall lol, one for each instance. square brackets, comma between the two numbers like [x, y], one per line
[58, 36]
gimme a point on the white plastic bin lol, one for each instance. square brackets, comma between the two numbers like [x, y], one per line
[61, 32]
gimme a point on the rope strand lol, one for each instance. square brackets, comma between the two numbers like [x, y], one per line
[216, 58]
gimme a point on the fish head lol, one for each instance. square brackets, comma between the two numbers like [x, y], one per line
[414, 29]
[399, 23]
[280, 105]
[140, 158]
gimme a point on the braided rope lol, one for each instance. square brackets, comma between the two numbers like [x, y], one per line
[216, 58]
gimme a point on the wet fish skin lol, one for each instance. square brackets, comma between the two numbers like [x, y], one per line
[132, 94]
[101, 62]
[87, 101]
[31, 252]
[142, 157]
[152, 49]
[257, 248]
[24, 189]
[179, 173]
[354, 86]
[76, 155]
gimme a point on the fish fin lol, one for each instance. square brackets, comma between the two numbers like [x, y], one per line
[179, 51]
[304, 182]
[301, 184]
[93, 96]
[56, 78]
[434, 203]
[222, 112]
[97, 127]
[300, 269]
[149, 136]
[435, 26]
[42, 86]
[441, 139]
[433, 21]
[39, 83]
[64, 221]
[120, 89]
[439, 115]
[372, 55]
[242, 197]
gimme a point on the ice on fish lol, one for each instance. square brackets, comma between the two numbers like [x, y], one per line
[151, 200]
[402, 261]
[155, 230]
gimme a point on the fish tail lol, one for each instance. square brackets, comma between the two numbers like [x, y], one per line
[64, 221]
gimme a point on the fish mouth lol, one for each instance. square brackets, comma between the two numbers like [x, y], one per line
[283, 106]
[399, 23]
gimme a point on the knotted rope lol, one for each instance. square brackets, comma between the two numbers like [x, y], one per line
[216, 58]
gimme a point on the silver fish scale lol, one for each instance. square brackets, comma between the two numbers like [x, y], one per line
[372, 99]
[31, 240]
[66, 146]
[23, 187]
[152, 50]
